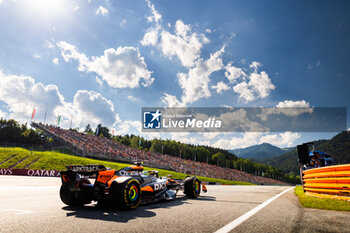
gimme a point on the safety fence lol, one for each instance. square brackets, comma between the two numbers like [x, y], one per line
[328, 182]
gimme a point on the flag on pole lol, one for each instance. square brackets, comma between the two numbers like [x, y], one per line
[33, 113]
[59, 120]
[45, 116]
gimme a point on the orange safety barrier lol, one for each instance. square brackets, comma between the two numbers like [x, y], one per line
[328, 182]
[345, 167]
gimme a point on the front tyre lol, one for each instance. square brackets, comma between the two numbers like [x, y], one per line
[192, 187]
[126, 195]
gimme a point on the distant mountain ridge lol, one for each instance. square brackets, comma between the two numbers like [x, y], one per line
[260, 152]
[338, 147]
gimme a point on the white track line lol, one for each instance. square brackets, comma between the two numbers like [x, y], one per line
[232, 225]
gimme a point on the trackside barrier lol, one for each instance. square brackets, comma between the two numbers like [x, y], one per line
[29, 172]
[328, 182]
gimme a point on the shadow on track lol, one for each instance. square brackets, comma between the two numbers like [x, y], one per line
[210, 198]
[96, 212]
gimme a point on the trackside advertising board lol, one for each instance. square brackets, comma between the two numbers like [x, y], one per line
[29, 172]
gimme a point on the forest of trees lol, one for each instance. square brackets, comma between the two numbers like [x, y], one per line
[13, 132]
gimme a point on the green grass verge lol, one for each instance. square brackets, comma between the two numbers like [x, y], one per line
[320, 203]
[47, 160]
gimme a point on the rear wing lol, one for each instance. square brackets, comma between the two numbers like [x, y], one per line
[86, 169]
[74, 172]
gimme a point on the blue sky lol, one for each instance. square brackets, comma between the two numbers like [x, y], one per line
[101, 61]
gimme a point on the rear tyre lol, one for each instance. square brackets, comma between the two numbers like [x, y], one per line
[192, 187]
[126, 195]
[74, 198]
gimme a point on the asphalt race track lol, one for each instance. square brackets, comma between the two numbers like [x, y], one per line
[32, 204]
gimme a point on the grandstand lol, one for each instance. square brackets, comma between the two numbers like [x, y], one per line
[92, 146]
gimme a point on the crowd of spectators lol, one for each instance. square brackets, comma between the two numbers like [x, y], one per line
[98, 147]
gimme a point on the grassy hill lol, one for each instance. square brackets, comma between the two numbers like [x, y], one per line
[49, 160]
[338, 147]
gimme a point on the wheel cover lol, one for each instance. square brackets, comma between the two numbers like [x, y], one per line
[133, 193]
[196, 187]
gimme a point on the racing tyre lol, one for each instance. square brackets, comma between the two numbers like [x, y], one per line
[126, 195]
[74, 198]
[192, 187]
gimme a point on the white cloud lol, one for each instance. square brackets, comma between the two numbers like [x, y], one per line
[183, 44]
[3, 115]
[48, 44]
[313, 65]
[76, 8]
[186, 45]
[55, 61]
[21, 94]
[220, 87]
[291, 104]
[99, 81]
[156, 17]
[121, 68]
[233, 73]
[244, 92]
[318, 63]
[69, 52]
[151, 37]
[101, 11]
[134, 127]
[212, 135]
[129, 127]
[171, 101]
[122, 23]
[36, 56]
[287, 108]
[182, 29]
[132, 98]
[239, 121]
[258, 85]
[249, 139]
[281, 140]
[195, 82]
[89, 107]
[261, 84]
[189, 138]
[255, 65]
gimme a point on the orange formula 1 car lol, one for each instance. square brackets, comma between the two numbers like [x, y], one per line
[124, 189]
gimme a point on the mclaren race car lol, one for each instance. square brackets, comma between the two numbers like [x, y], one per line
[123, 189]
